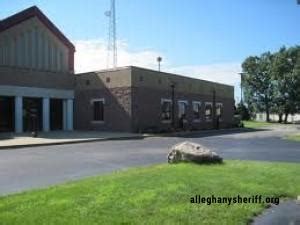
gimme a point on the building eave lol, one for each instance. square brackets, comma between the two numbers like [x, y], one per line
[29, 13]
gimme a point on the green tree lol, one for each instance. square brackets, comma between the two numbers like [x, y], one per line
[243, 111]
[286, 76]
[257, 82]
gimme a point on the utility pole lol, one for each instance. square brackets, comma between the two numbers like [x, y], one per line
[214, 108]
[173, 103]
[241, 74]
[112, 37]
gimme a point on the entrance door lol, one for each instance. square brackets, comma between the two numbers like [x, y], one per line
[56, 114]
[7, 111]
[32, 114]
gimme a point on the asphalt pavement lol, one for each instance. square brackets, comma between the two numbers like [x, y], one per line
[35, 167]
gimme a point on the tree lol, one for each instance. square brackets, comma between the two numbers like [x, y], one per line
[243, 111]
[272, 82]
[286, 74]
[257, 82]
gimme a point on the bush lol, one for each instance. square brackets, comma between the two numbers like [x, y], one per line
[243, 111]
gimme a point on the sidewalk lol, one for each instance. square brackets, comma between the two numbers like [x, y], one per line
[11, 140]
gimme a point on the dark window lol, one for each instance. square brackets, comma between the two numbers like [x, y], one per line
[107, 79]
[219, 110]
[141, 78]
[166, 107]
[182, 109]
[7, 108]
[197, 110]
[98, 111]
[208, 111]
[87, 82]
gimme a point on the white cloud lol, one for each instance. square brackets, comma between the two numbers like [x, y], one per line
[226, 73]
[91, 55]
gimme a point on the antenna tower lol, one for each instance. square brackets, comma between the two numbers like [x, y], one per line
[112, 56]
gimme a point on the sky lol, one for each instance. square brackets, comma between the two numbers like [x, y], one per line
[197, 38]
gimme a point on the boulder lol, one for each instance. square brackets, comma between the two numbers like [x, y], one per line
[192, 152]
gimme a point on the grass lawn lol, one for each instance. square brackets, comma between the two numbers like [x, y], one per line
[255, 124]
[158, 194]
[294, 137]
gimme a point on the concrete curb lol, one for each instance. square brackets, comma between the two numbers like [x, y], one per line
[71, 142]
[176, 134]
[184, 133]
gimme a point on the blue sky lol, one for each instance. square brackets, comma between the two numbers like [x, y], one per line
[191, 35]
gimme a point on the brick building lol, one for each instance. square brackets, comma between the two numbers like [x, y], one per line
[38, 88]
[137, 99]
[36, 74]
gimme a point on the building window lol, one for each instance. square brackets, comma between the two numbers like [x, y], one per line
[197, 111]
[166, 109]
[208, 111]
[98, 110]
[182, 109]
[107, 79]
[219, 110]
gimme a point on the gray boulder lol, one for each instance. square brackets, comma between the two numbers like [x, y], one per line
[192, 152]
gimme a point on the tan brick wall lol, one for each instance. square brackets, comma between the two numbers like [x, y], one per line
[160, 80]
[34, 78]
[147, 109]
[104, 79]
[133, 103]
[117, 109]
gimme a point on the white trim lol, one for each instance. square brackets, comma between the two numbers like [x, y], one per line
[97, 100]
[222, 108]
[8, 90]
[70, 110]
[198, 103]
[186, 103]
[162, 100]
[183, 101]
[92, 101]
[211, 104]
[46, 114]
[18, 114]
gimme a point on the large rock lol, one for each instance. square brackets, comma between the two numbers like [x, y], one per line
[192, 152]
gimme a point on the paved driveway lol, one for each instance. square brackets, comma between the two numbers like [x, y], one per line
[22, 169]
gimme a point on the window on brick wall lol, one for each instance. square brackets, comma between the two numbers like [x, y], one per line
[98, 110]
[196, 111]
[166, 109]
[182, 109]
[208, 111]
[219, 110]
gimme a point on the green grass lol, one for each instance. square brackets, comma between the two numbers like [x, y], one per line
[157, 194]
[294, 137]
[255, 124]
